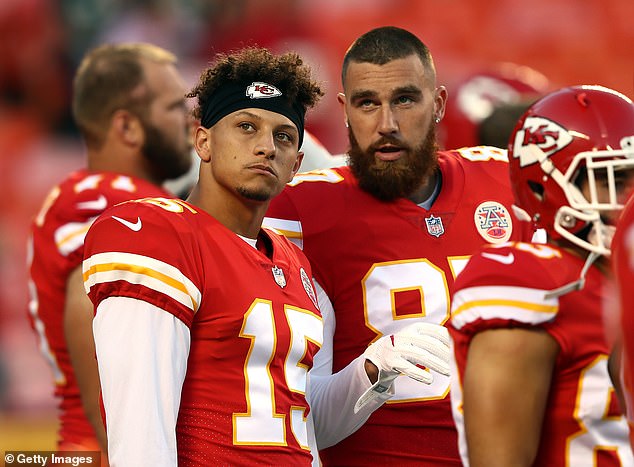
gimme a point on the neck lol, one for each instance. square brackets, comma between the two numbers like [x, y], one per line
[241, 216]
[425, 190]
[107, 161]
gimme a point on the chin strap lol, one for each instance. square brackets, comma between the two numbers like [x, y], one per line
[575, 285]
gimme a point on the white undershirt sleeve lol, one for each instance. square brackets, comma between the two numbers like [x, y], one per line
[332, 397]
[142, 355]
[322, 362]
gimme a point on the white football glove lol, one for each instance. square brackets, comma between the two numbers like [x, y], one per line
[404, 353]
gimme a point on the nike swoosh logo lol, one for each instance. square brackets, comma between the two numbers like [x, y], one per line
[98, 204]
[136, 226]
[504, 259]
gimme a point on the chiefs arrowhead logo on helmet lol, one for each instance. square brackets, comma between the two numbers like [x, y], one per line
[259, 90]
[546, 134]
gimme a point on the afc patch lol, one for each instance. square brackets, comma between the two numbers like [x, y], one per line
[493, 222]
[434, 226]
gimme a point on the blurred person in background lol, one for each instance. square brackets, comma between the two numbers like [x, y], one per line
[129, 105]
[496, 129]
[477, 96]
[387, 235]
[531, 384]
[316, 156]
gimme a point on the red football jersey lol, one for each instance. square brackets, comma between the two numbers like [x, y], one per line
[623, 266]
[56, 248]
[385, 265]
[508, 286]
[254, 325]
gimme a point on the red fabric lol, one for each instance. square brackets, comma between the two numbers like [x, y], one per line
[582, 418]
[51, 266]
[383, 269]
[244, 315]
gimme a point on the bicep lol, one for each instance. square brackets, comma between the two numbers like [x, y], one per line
[505, 391]
[78, 309]
[142, 352]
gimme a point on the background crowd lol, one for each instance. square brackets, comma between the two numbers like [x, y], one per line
[557, 43]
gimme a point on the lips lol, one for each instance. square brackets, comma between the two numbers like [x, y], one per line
[389, 152]
[263, 168]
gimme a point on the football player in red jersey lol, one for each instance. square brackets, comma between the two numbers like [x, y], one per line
[387, 235]
[623, 267]
[532, 385]
[129, 104]
[206, 324]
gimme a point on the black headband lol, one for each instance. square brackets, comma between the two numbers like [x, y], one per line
[236, 96]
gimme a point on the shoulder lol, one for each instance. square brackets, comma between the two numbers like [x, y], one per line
[146, 249]
[308, 195]
[476, 160]
[329, 176]
[513, 263]
[84, 195]
[509, 283]
[146, 224]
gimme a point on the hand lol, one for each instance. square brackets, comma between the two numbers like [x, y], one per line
[413, 351]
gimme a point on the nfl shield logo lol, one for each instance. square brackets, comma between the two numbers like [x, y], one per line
[434, 226]
[278, 275]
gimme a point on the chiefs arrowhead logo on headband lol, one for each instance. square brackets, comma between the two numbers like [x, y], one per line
[259, 90]
[237, 95]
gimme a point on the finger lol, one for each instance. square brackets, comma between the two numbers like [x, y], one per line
[417, 357]
[427, 343]
[414, 372]
[434, 330]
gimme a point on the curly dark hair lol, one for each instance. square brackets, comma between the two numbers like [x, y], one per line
[286, 71]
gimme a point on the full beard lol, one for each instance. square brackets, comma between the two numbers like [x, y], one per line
[390, 180]
[167, 161]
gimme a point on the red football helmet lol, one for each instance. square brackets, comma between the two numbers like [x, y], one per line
[574, 137]
[475, 97]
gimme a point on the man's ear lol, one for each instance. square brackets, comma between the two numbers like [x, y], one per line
[440, 100]
[298, 163]
[341, 98]
[128, 128]
[202, 143]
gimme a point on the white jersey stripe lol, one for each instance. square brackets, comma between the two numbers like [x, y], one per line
[138, 269]
[517, 303]
[71, 236]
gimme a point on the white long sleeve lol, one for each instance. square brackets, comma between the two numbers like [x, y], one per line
[142, 356]
[332, 396]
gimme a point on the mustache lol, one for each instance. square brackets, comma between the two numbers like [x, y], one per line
[384, 140]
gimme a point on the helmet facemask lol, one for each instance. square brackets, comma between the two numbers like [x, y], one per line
[603, 173]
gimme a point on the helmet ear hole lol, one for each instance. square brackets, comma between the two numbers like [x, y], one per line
[537, 189]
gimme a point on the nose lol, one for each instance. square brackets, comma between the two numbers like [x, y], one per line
[265, 145]
[388, 123]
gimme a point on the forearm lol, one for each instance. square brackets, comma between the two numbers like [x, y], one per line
[78, 315]
[332, 399]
